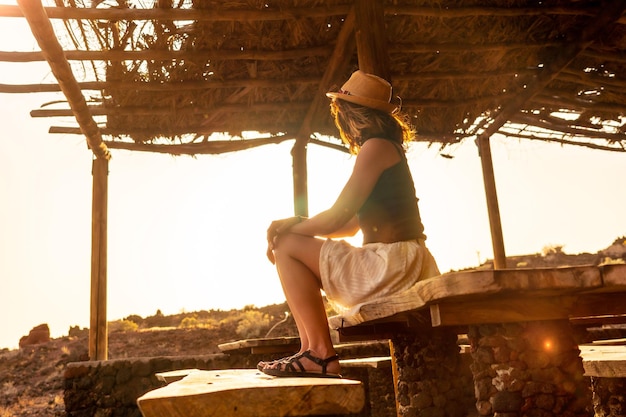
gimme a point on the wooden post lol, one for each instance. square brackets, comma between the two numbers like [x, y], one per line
[495, 224]
[98, 337]
[370, 38]
[336, 66]
[300, 183]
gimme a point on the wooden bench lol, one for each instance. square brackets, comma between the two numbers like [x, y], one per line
[249, 393]
[524, 327]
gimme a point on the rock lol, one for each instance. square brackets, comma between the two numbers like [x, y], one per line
[39, 334]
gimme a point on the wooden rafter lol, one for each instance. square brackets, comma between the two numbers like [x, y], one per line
[168, 14]
[166, 55]
[216, 15]
[46, 38]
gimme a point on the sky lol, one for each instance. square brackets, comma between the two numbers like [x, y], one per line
[188, 233]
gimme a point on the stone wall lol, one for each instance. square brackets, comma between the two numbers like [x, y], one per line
[529, 369]
[609, 397]
[433, 376]
[111, 388]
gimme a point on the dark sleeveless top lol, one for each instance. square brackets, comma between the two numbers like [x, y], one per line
[392, 206]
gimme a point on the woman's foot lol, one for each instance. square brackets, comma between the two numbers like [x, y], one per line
[263, 364]
[305, 364]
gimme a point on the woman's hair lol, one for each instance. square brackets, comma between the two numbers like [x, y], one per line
[358, 123]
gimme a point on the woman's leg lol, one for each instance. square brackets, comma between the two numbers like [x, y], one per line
[297, 262]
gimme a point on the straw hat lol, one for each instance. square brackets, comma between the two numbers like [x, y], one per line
[367, 90]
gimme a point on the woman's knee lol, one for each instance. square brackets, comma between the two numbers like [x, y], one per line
[305, 249]
[289, 245]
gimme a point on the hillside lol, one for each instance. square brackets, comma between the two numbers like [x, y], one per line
[31, 378]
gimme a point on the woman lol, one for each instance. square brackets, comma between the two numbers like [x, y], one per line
[379, 199]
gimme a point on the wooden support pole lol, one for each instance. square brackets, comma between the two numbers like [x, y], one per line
[336, 66]
[370, 38]
[300, 180]
[495, 223]
[98, 337]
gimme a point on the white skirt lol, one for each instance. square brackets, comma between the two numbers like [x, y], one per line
[352, 276]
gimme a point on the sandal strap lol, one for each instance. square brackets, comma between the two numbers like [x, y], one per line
[321, 362]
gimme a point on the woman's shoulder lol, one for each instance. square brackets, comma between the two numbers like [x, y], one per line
[384, 151]
[380, 144]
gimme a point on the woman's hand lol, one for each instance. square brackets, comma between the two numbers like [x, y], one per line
[278, 227]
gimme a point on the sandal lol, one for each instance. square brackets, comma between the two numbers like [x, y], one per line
[263, 364]
[287, 368]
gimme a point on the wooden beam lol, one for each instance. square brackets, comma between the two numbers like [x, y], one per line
[53, 52]
[455, 47]
[166, 86]
[196, 148]
[215, 14]
[619, 146]
[371, 38]
[501, 310]
[100, 110]
[337, 65]
[150, 54]
[167, 55]
[195, 130]
[567, 129]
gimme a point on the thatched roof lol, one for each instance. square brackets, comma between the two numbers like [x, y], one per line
[168, 76]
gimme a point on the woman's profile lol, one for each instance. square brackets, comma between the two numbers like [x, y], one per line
[378, 199]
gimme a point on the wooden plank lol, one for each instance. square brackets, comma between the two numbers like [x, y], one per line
[377, 362]
[604, 361]
[614, 276]
[247, 392]
[266, 345]
[544, 281]
[468, 285]
[600, 305]
[501, 310]
[173, 376]
[372, 331]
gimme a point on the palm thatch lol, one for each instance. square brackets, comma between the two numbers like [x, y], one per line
[176, 75]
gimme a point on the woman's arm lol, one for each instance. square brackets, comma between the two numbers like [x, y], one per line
[375, 156]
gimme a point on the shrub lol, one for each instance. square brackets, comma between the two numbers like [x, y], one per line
[189, 323]
[253, 324]
[122, 326]
[552, 250]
